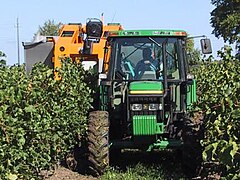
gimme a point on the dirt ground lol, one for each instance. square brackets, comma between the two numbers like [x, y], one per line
[62, 173]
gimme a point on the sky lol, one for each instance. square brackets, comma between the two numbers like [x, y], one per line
[192, 16]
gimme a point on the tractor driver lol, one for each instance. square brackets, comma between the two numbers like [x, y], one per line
[146, 64]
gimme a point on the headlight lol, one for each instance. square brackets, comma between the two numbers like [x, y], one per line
[136, 107]
[146, 107]
[153, 107]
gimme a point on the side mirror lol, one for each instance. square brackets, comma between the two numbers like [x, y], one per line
[206, 46]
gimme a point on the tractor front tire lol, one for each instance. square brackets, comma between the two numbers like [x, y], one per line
[98, 142]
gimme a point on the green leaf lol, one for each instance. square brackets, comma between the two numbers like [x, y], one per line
[21, 141]
[12, 177]
[30, 109]
[235, 148]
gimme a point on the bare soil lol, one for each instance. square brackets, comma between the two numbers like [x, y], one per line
[62, 173]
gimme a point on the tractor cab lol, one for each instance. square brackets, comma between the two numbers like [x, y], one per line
[139, 58]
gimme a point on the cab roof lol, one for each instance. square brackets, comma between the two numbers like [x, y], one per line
[160, 32]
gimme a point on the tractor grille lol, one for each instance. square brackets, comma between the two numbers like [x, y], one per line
[144, 125]
[145, 122]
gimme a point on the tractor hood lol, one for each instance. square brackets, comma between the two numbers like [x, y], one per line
[146, 87]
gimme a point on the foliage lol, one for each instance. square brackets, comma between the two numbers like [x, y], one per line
[238, 51]
[194, 58]
[194, 55]
[139, 171]
[225, 19]
[190, 45]
[49, 28]
[41, 119]
[2, 58]
[2, 54]
[136, 172]
[146, 165]
[219, 87]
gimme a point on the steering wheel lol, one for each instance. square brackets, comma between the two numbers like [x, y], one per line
[140, 69]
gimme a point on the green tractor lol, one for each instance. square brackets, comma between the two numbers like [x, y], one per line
[145, 93]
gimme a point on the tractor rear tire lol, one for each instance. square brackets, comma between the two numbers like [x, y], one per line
[98, 142]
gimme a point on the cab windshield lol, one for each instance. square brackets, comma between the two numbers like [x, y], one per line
[141, 58]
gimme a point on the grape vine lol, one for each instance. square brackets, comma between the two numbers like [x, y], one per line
[219, 102]
[41, 119]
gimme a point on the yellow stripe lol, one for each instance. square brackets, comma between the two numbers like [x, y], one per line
[146, 92]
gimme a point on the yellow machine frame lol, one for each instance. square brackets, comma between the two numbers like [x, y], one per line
[70, 43]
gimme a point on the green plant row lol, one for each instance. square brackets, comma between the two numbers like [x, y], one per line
[219, 102]
[41, 119]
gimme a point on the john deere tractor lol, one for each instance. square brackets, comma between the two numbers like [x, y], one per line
[145, 93]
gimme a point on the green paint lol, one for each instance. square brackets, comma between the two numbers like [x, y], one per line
[191, 94]
[103, 98]
[146, 86]
[160, 32]
[166, 143]
[194, 94]
[159, 128]
[146, 125]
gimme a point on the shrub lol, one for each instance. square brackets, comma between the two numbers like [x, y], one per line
[41, 119]
[219, 87]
